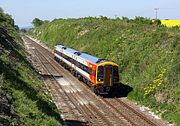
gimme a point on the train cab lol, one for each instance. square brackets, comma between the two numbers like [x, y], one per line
[107, 76]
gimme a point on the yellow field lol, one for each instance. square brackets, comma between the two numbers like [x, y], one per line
[170, 23]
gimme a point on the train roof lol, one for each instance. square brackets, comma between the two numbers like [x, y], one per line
[67, 49]
[71, 50]
[60, 46]
[85, 56]
[88, 57]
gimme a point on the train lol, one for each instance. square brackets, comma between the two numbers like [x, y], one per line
[101, 75]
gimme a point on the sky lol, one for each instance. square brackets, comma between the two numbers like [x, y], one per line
[24, 11]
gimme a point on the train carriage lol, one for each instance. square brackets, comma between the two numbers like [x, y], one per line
[100, 74]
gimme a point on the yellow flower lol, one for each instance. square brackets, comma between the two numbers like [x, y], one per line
[160, 75]
[159, 84]
[154, 87]
[155, 84]
[150, 91]
[146, 92]
[155, 81]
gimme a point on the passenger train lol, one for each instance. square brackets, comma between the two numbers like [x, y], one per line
[100, 74]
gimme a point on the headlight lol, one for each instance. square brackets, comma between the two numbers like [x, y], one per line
[100, 79]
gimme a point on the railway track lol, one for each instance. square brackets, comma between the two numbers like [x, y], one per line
[133, 116]
[90, 112]
[65, 99]
[77, 102]
[92, 116]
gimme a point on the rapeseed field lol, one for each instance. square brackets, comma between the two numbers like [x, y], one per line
[170, 23]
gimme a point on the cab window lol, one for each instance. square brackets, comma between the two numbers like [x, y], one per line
[100, 73]
[115, 71]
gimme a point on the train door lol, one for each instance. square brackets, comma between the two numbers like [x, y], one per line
[108, 75]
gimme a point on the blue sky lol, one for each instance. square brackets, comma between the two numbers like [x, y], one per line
[24, 11]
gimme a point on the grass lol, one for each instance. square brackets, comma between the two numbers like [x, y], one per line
[142, 49]
[25, 100]
[30, 103]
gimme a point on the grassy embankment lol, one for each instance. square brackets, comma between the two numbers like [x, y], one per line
[23, 98]
[148, 55]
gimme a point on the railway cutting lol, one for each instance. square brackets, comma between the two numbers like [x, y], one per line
[78, 104]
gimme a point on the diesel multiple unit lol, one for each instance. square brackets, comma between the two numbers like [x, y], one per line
[100, 74]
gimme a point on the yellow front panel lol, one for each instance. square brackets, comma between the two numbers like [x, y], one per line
[108, 72]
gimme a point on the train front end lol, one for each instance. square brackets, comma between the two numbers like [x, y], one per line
[107, 77]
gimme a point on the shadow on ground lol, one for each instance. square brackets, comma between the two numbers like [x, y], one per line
[122, 91]
[74, 123]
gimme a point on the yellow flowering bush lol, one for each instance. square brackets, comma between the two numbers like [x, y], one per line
[157, 82]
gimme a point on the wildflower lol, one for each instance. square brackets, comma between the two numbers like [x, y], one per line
[155, 81]
[159, 84]
[154, 87]
[155, 84]
[160, 75]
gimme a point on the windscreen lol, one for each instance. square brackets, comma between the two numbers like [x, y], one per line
[115, 73]
[100, 73]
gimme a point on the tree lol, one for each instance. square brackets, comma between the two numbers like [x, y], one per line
[9, 19]
[103, 18]
[157, 22]
[142, 20]
[45, 21]
[6, 20]
[2, 18]
[23, 30]
[37, 22]
[125, 19]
